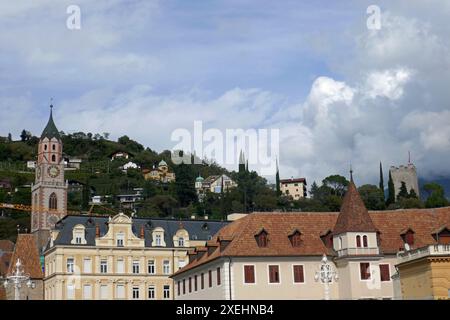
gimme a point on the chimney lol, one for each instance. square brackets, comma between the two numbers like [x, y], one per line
[142, 232]
[97, 231]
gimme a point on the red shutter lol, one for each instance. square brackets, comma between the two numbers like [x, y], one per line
[384, 272]
[274, 276]
[203, 281]
[298, 274]
[195, 283]
[365, 270]
[210, 278]
[218, 276]
[249, 274]
[409, 238]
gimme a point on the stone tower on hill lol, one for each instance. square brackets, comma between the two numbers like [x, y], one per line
[407, 174]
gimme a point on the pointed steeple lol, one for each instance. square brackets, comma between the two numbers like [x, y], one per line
[353, 216]
[242, 162]
[50, 130]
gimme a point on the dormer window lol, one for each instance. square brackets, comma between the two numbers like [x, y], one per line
[158, 240]
[120, 239]
[295, 238]
[158, 237]
[442, 236]
[262, 239]
[408, 238]
[181, 242]
[78, 235]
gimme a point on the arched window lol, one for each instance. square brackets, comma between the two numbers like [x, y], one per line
[45, 147]
[358, 241]
[54, 147]
[53, 158]
[53, 202]
[181, 242]
[365, 243]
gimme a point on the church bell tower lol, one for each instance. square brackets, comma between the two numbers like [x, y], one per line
[49, 192]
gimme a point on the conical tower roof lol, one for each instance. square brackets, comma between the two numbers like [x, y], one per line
[50, 130]
[353, 216]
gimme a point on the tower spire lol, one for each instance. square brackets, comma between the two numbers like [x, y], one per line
[351, 173]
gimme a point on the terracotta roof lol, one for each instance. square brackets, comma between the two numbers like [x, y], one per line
[354, 216]
[26, 250]
[312, 225]
[5, 260]
[6, 245]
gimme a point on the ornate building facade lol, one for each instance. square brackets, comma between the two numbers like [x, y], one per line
[49, 192]
[120, 258]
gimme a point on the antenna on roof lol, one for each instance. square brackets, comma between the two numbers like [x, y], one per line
[409, 157]
[351, 173]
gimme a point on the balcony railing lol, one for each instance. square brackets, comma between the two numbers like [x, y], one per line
[431, 250]
[358, 251]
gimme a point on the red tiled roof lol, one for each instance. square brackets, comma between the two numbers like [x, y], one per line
[312, 225]
[5, 259]
[354, 216]
[6, 245]
[299, 180]
[26, 250]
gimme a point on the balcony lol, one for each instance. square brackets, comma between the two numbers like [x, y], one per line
[431, 250]
[358, 252]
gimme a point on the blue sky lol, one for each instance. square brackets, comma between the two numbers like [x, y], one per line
[338, 92]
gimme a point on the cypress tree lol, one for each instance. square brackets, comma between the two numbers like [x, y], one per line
[391, 191]
[403, 193]
[381, 179]
[413, 194]
[277, 181]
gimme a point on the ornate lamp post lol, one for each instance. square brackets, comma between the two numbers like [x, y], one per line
[18, 278]
[325, 275]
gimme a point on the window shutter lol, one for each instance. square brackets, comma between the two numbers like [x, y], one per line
[298, 274]
[384, 272]
[249, 274]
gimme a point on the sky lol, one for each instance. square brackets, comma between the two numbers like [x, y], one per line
[338, 92]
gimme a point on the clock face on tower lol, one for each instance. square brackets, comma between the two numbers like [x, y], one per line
[52, 220]
[53, 171]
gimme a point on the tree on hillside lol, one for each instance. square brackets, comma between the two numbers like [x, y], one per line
[436, 195]
[25, 135]
[391, 191]
[337, 183]
[372, 196]
[184, 185]
[9, 137]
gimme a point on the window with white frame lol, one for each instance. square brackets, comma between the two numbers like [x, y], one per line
[104, 266]
[120, 266]
[120, 291]
[136, 267]
[151, 292]
[70, 265]
[87, 292]
[78, 235]
[181, 242]
[166, 292]
[70, 291]
[158, 241]
[151, 267]
[120, 237]
[103, 292]
[87, 265]
[135, 292]
[166, 267]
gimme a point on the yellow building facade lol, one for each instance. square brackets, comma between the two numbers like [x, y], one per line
[120, 258]
[425, 273]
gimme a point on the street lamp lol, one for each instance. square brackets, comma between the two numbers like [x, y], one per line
[18, 278]
[325, 275]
